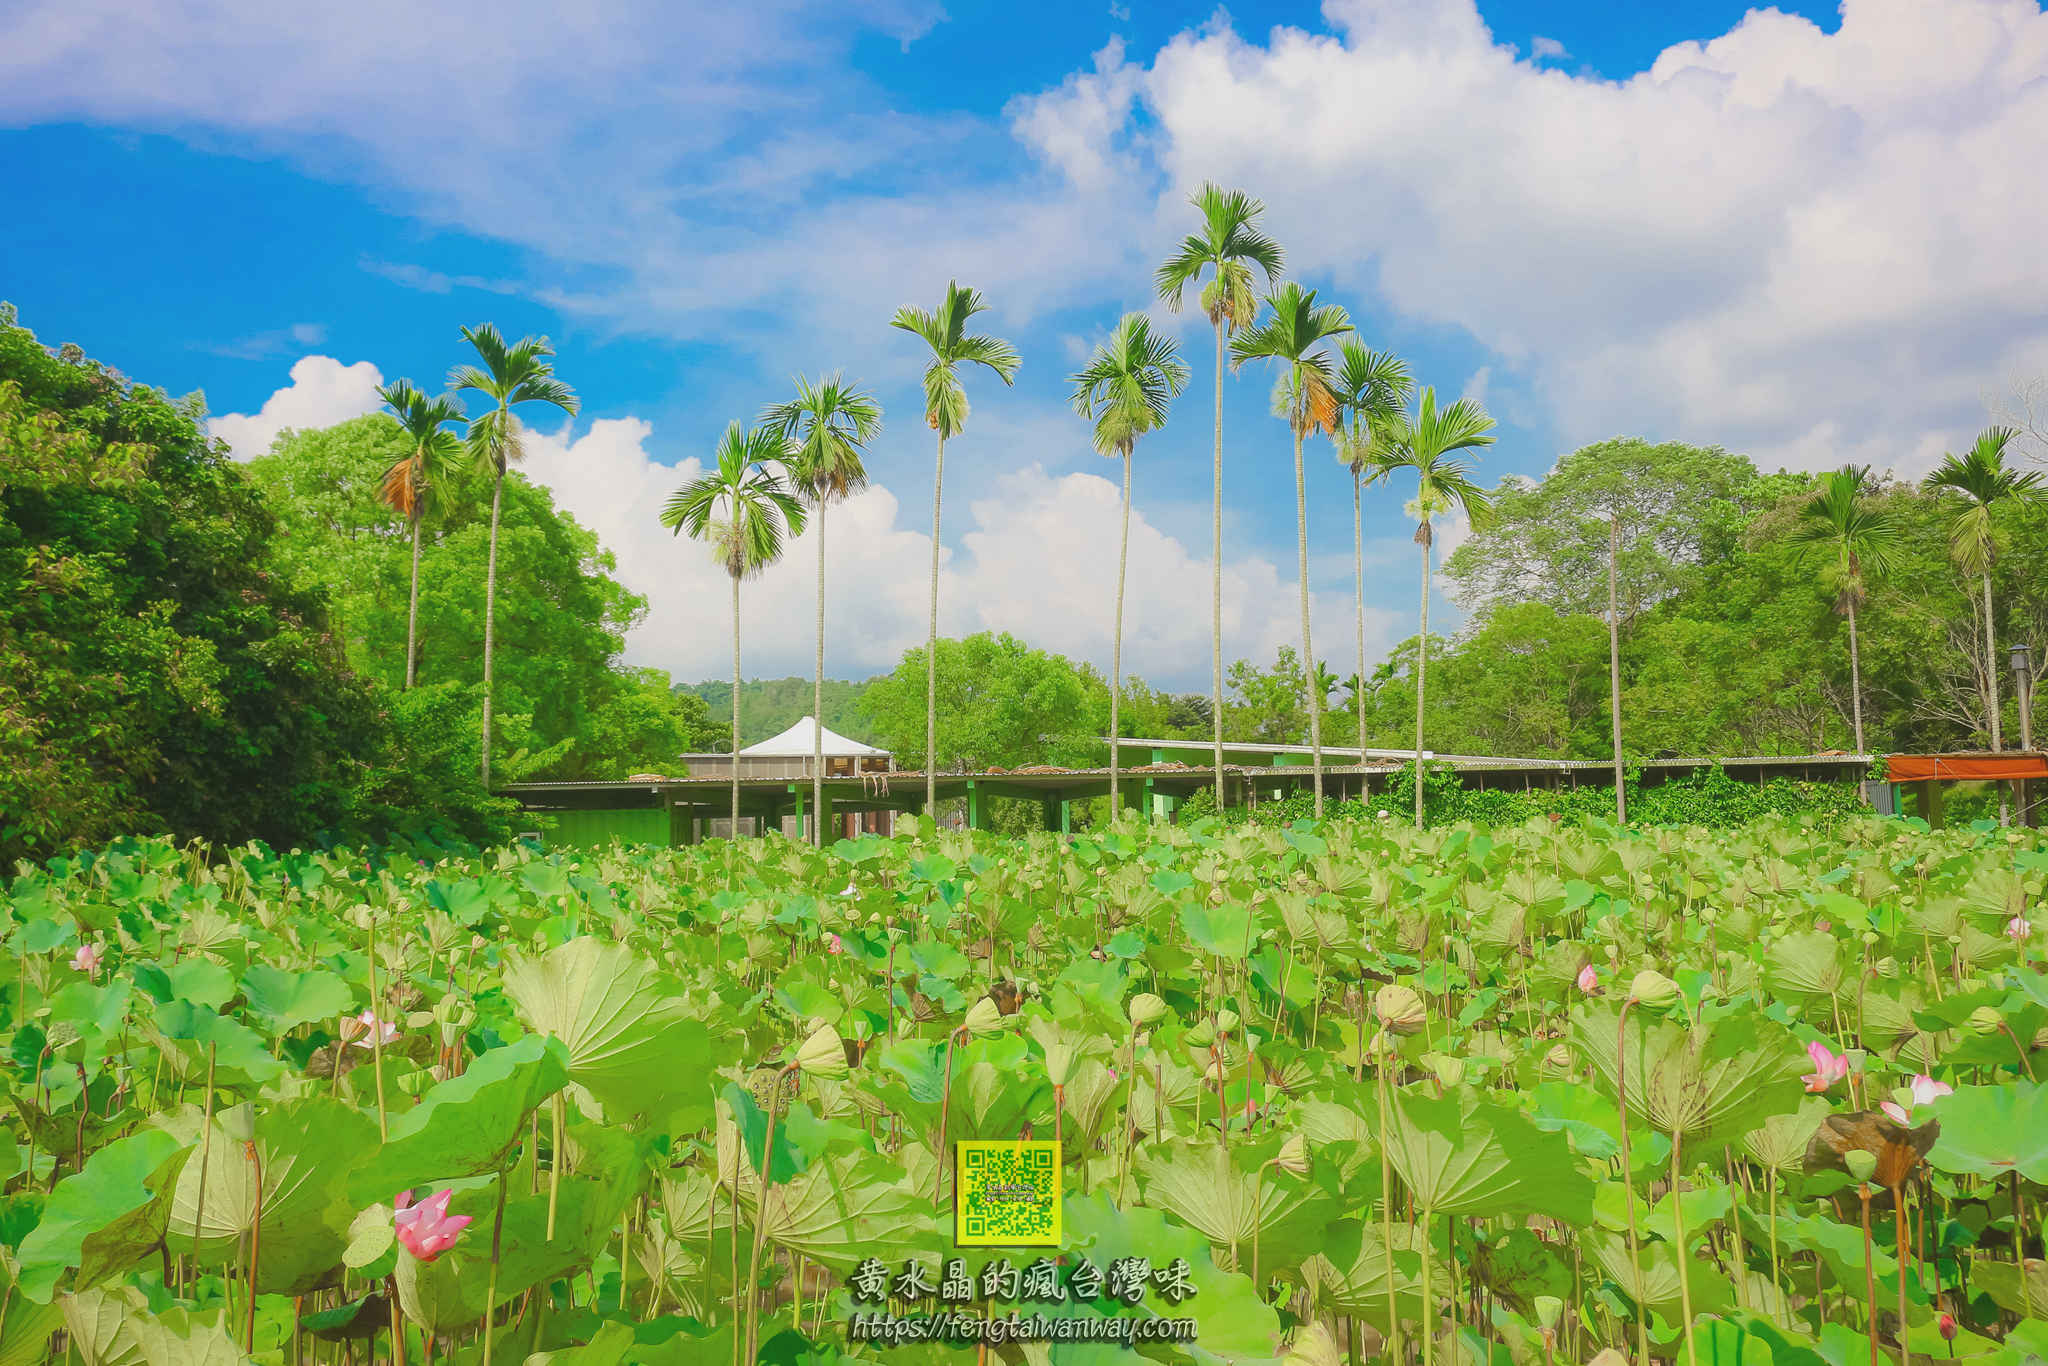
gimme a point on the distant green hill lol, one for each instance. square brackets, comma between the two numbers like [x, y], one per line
[769, 706]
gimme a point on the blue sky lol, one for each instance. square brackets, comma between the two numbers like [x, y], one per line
[1794, 232]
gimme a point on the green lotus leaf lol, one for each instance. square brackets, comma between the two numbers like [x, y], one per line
[1709, 1084]
[285, 1000]
[466, 1125]
[116, 1328]
[1465, 1155]
[303, 1152]
[449, 1292]
[1993, 1131]
[634, 1047]
[104, 1218]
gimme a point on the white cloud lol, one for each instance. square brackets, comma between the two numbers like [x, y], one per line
[1037, 557]
[1476, 384]
[323, 392]
[1547, 49]
[1811, 246]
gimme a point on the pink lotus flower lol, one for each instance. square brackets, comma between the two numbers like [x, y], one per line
[1828, 1067]
[832, 944]
[1947, 1325]
[1823, 925]
[87, 959]
[2018, 928]
[1925, 1091]
[1589, 980]
[427, 1229]
[367, 1031]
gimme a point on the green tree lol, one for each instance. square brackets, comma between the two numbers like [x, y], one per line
[511, 375]
[413, 481]
[1004, 704]
[1125, 390]
[1306, 398]
[1227, 248]
[742, 510]
[1373, 392]
[157, 672]
[825, 426]
[1842, 522]
[1442, 486]
[1980, 481]
[1269, 705]
[945, 412]
[560, 627]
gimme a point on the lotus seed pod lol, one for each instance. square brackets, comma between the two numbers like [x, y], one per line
[1862, 1165]
[1558, 1059]
[823, 1055]
[1145, 1008]
[1871, 937]
[1059, 1062]
[1293, 1155]
[1226, 1020]
[1199, 1035]
[1313, 1346]
[1985, 1020]
[1450, 1071]
[1652, 990]
[984, 1018]
[1549, 1308]
[1886, 966]
[1400, 1009]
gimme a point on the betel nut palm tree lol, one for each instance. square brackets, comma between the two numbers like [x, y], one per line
[1292, 334]
[1374, 389]
[1444, 485]
[1227, 249]
[944, 331]
[1979, 480]
[512, 375]
[412, 483]
[1125, 390]
[744, 511]
[825, 427]
[1841, 522]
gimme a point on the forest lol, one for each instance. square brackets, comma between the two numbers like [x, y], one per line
[212, 649]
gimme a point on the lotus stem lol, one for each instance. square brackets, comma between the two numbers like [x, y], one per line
[491, 1285]
[1684, 1250]
[1628, 1186]
[1387, 1213]
[761, 1217]
[255, 1247]
[556, 1114]
[1899, 1230]
[377, 1045]
[1869, 1274]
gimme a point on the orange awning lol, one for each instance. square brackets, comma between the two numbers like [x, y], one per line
[1924, 768]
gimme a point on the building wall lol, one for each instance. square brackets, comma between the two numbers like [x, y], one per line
[597, 829]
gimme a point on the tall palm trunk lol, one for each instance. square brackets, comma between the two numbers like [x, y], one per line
[818, 698]
[1358, 578]
[1991, 664]
[412, 617]
[1855, 677]
[490, 614]
[1425, 536]
[1216, 581]
[931, 648]
[1116, 643]
[1308, 654]
[735, 832]
[1614, 660]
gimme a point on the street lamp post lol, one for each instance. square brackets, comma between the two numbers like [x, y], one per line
[2022, 659]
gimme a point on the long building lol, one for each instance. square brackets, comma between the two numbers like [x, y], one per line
[864, 790]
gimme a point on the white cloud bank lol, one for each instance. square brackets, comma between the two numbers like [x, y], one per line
[1812, 246]
[1037, 558]
[323, 392]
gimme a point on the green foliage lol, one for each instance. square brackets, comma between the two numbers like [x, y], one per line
[1707, 797]
[1001, 704]
[1348, 1059]
[769, 706]
[160, 667]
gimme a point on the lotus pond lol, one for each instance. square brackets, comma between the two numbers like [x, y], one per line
[1348, 1093]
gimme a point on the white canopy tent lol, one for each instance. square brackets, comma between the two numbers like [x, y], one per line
[799, 741]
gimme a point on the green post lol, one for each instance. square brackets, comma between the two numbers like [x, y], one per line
[1151, 800]
[796, 796]
[827, 817]
[977, 807]
[1049, 813]
[1066, 817]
